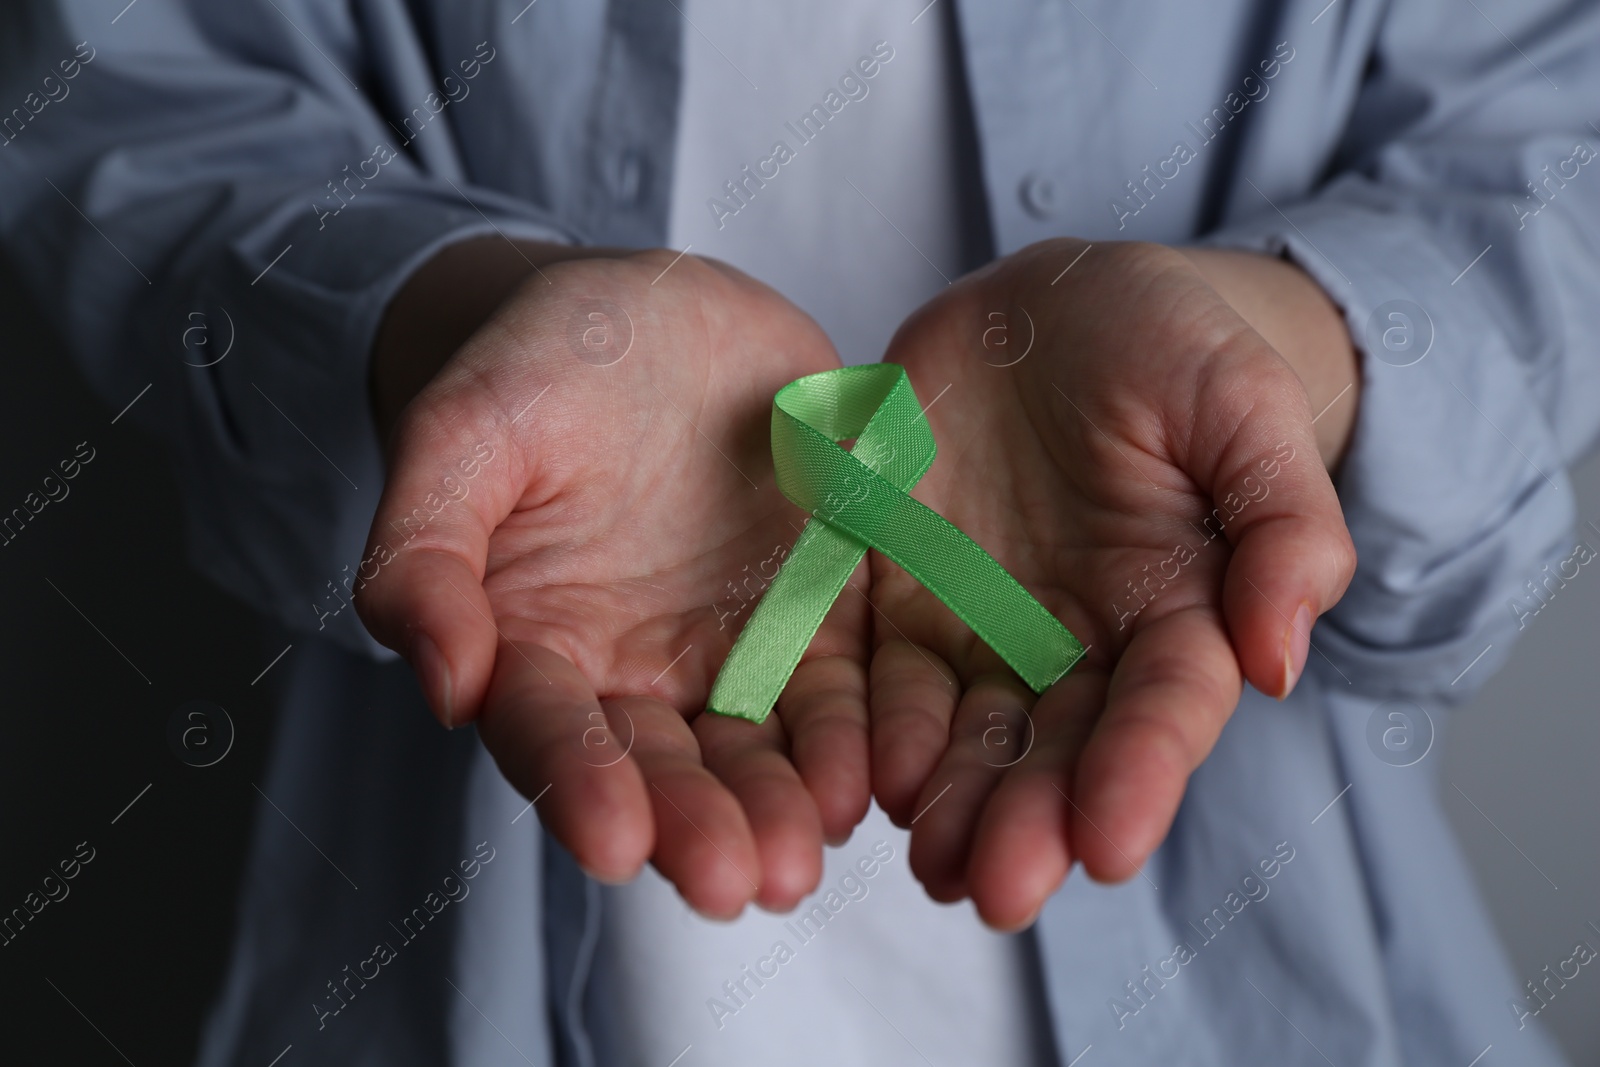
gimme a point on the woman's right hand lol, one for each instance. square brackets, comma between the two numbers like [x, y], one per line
[572, 501]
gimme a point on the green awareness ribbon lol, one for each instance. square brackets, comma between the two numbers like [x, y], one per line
[861, 499]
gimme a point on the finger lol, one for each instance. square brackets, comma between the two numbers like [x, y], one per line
[952, 801]
[824, 714]
[913, 695]
[422, 576]
[1174, 688]
[549, 736]
[704, 842]
[1292, 557]
[429, 605]
[1022, 849]
[752, 761]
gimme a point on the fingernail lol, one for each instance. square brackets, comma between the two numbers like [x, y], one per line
[1296, 646]
[1028, 922]
[607, 879]
[431, 668]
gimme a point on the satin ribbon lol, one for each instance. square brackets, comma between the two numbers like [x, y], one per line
[860, 498]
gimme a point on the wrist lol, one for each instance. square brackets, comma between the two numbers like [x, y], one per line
[1293, 314]
[440, 306]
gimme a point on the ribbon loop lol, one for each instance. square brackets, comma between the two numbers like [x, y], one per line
[860, 498]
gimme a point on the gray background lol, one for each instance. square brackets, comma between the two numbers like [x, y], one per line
[1527, 751]
[136, 949]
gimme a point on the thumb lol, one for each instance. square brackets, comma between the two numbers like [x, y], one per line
[1292, 556]
[421, 582]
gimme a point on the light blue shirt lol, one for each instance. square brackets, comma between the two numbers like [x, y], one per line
[729, 994]
[281, 165]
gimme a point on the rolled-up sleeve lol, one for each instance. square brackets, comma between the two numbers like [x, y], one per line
[213, 178]
[1460, 235]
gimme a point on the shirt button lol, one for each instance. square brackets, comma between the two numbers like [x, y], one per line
[1041, 198]
[629, 177]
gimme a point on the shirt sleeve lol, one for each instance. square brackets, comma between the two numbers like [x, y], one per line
[1460, 235]
[213, 210]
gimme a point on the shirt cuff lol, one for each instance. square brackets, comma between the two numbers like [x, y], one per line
[1454, 486]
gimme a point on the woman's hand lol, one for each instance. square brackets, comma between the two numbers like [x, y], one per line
[1146, 464]
[580, 509]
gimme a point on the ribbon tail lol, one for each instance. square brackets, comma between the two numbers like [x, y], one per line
[785, 620]
[956, 569]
